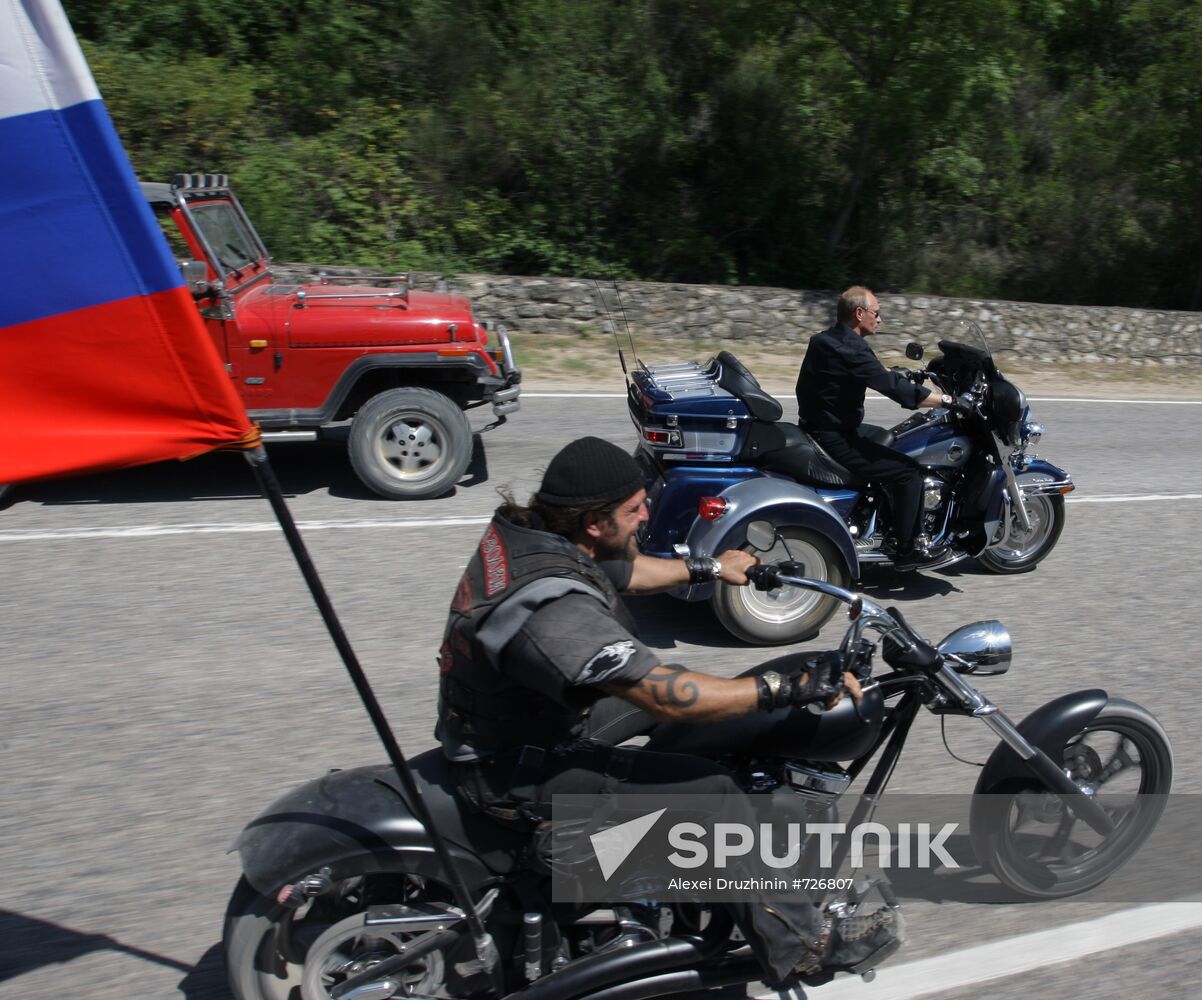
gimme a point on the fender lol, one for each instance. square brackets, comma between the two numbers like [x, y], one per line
[348, 815]
[775, 499]
[1043, 477]
[1038, 477]
[470, 368]
[1049, 727]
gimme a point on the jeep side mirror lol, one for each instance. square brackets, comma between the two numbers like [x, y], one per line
[196, 276]
[914, 351]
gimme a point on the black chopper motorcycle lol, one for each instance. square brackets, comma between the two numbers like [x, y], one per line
[343, 896]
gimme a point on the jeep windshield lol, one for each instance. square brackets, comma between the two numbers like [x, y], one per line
[226, 234]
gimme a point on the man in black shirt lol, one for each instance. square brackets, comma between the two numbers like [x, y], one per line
[838, 368]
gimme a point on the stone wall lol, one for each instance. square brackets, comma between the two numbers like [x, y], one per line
[1024, 331]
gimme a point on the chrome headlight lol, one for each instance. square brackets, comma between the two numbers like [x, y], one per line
[1032, 432]
[982, 648]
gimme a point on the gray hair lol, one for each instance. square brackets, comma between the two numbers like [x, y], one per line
[854, 298]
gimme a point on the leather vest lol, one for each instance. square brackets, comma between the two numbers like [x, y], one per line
[513, 571]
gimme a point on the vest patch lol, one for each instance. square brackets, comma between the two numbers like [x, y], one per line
[463, 596]
[607, 662]
[496, 562]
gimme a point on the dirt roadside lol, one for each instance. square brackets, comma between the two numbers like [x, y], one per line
[589, 363]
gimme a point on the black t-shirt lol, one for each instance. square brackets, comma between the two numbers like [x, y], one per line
[839, 367]
[572, 644]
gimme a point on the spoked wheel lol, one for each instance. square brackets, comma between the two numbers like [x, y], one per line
[1037, 847]
[1025, 549]
[787, 614]
[350, 948]
[276, 953]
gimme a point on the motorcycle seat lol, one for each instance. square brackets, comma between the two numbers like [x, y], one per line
[800, 458]
[740, 383]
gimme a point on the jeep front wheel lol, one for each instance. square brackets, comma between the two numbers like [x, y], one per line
[410, 444]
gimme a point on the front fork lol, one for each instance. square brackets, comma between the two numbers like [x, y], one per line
[1017, 504]
[1039, 762]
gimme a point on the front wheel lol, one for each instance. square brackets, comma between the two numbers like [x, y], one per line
[788, 614]
[276, 953]
[410, 444]
[1023, 550]
[1035, 846]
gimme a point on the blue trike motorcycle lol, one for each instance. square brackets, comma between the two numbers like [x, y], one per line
[718, 458]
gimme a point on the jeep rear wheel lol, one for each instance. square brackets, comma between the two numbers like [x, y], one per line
[410, 444]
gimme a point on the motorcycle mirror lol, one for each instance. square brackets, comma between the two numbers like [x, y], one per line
[914, 351]
[982, 648]
[761, 535]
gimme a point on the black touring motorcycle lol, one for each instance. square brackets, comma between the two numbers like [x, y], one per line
[344, 895]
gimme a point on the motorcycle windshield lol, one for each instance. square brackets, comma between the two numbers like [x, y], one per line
[969, 339]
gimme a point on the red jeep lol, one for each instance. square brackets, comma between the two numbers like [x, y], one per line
[399, 366]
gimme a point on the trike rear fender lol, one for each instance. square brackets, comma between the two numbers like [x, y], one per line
[779, 501]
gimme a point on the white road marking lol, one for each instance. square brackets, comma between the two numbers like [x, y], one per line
[258, 527]
[1091, 399]
[228, 528]
[1013, 956]
[876, 398]
[1141, 498]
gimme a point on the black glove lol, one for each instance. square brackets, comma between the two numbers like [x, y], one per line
[820, 683]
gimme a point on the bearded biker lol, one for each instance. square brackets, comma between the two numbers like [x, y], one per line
[537, 635]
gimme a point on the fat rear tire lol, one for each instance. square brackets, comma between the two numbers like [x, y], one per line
[410, 444]
[258, 931]
[789, 614]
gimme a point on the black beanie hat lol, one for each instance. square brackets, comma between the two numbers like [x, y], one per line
[590, 471]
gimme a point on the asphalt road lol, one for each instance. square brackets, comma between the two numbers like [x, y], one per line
[166, 676]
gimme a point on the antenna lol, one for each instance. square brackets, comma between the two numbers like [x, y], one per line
[629, 335]
[614, 326]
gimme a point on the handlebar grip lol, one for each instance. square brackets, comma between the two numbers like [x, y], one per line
[920, 655]
[764, 576]
[768, 576]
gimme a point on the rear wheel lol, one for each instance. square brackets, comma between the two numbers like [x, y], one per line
[788, 614]
[410, 444]
[1121, 759]
[1025, 549]
[276, 953]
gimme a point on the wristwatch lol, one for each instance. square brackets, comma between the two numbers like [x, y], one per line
[946, 400]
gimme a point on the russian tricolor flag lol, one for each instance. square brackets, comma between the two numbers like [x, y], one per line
[104, 360]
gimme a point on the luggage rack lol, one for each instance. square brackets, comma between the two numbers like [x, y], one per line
[685, 378]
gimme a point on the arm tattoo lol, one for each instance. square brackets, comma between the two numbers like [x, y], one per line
[668, 688]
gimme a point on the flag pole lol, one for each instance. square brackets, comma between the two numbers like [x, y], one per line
[259, 462]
